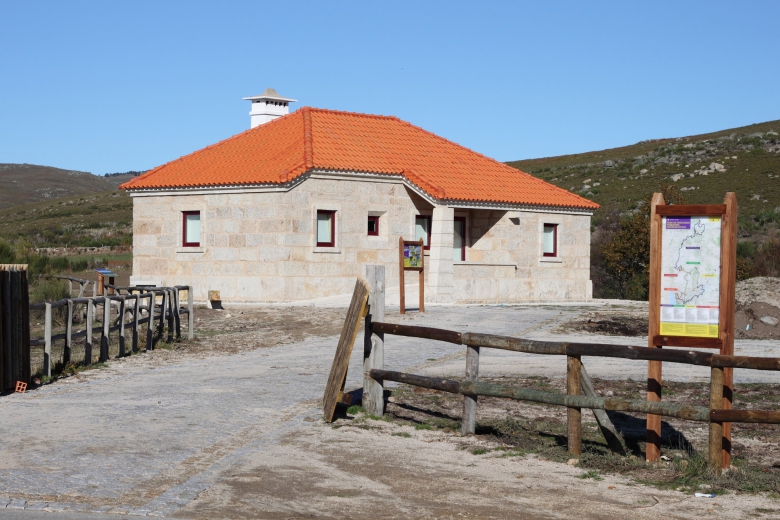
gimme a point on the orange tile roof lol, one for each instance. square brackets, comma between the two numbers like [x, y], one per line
[310, 138]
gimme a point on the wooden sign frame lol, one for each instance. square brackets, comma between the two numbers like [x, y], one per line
[402, 268]
[725, 340]
[334, 389]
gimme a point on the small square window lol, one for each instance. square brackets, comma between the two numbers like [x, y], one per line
[190, 229]
[550, 240]
[326, 228]
[422, 229]
[373, 226]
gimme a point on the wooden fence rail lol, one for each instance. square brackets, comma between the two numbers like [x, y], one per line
[134, 303]
[577, 380]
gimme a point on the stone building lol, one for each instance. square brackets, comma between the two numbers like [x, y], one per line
[295, 207]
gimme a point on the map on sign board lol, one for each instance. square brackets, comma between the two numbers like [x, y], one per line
[690, 276]
[413, 255]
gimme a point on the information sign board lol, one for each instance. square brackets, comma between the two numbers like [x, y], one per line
[690, 276]
[413, 255]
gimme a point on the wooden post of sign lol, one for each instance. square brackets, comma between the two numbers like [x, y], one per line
[401, 268]
[654, 368]
[727, 213]
[728, 276]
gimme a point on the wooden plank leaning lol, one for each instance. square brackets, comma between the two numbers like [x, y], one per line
[605, 424]
[338, 371]
[373, 342]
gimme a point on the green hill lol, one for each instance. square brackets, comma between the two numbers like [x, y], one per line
[77, 221]
[745, 160]
[28, 183]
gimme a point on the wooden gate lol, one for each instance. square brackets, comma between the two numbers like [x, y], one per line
[14, 326]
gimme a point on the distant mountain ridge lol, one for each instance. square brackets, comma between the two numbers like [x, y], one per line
[30, 183]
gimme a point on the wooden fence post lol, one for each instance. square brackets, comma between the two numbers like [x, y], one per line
[190, 316]
[716, 428]
[574, 387]
[47, 340]
[106, 330]
[88, 339]
[374, 343]
[171, 320]
[122, 326]
[150, 324]
[176, 315]
[163, 306]
[469, 424]
[136, 311]
[68, 335]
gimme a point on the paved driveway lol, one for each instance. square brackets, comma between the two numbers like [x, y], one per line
[149, 434]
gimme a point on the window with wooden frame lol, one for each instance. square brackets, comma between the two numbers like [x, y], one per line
[422, 229]
[373, 226]
[190, 229]
[326, 228]
[550, 240]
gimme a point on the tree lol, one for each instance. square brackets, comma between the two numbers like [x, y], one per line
[626, 254]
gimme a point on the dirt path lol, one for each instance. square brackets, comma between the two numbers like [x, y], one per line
[229, 427]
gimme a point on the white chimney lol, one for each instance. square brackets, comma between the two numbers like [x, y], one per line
[268, 106]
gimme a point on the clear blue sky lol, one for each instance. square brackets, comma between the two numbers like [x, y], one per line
[113, 86]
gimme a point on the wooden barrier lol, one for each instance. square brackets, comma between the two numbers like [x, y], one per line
[157, 317]
[14, 326]
[577, 380]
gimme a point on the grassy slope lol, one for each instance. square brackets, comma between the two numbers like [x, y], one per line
[97, 213]
[754, 172]
[29, 183]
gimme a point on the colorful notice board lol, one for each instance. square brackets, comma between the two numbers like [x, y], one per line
[411, 257]
[690, 276]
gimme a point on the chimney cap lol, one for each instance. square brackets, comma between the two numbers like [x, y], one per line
[270, 93]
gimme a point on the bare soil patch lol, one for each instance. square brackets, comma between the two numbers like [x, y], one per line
[515, 428]
[612, 323]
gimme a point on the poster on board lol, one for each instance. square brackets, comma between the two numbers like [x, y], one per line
[412, 255]
[690, 276]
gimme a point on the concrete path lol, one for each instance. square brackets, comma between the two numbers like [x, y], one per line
[143, 440]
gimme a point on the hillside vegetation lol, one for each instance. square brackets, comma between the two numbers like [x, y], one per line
[745, 160]
[27, 183]
[99, 219]
[696, 170]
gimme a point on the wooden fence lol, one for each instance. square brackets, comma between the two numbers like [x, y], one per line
[14, 326]
[130, 310]
[577, 379]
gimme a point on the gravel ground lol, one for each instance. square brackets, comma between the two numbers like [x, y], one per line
[229, 427]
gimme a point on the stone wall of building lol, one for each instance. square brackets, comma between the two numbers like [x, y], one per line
[504, 260]
[261, 247]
